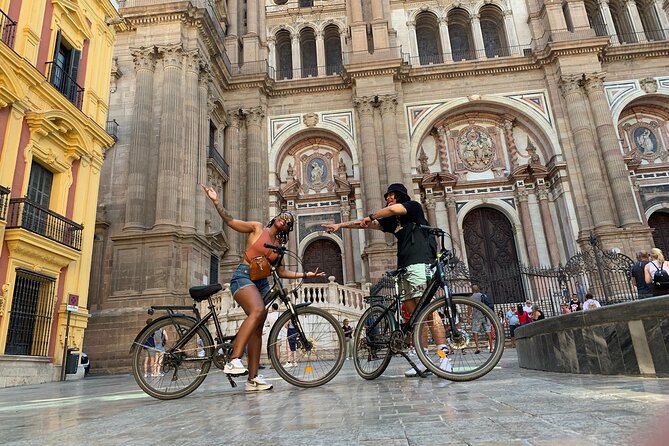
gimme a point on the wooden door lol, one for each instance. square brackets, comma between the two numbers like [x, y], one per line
[660, 222]
[326, 256]
[491, 255]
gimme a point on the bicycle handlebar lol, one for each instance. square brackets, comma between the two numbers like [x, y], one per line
[278, 249]
[433, 230]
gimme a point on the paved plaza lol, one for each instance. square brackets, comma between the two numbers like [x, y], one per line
[508, 406]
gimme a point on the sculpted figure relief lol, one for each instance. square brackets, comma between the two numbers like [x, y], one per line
[476, 148]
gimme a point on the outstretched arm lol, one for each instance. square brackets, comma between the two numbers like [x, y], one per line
[237, 225]
[285, 274]
[371, 220]
[353, 224]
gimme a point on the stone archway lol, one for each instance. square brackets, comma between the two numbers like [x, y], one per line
[659, 221]
[491, 254]
[326, 256]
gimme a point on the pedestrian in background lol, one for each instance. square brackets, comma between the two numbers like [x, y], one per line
[348, 339]
[639, 276]
[574, 304]
[590, 302]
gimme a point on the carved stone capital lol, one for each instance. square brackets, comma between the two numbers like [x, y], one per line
[450, 202]
[522, 195]
[144, 58]
[255, 115]
[364, 105]
[388, 104]
[233, 118]
[542, 194]
[569, 85]
[430, 203]
[192, 61]
[172, 55]
[594, 82]
[345, 212]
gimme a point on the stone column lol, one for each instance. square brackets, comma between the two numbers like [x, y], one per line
[140, 138]
[189, 151]
[232, 18]
[605, 11]
[479, 46]
[451, 210]
[431, 206]
[662, 17]
[272, 56]
[587, 155]
[549, 229]
[636, 20]
[320, 53]
[393, 162]
[510, 28]
[233, 190]
[358, 27]
[617, 171]
[348, 245]
[171, 138]
[256, 200]
[528, 231]
[445, 38]
[252, 17]
[379, 25]
[369, 160]
[356, 11]
[297, 59]
[201, 199]
[413, 42]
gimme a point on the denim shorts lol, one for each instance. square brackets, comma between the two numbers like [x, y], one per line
[240, 279]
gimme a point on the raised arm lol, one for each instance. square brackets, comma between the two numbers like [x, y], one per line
[237, 225]
[353, 224]
[371, 220]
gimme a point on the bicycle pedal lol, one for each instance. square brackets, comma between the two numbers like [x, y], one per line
[235, 375]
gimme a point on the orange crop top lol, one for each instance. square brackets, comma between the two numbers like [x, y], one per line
[258, 248]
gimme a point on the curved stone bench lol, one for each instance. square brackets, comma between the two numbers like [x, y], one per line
[631, 338]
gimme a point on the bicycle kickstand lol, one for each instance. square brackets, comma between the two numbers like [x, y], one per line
[414, 366]
[232, 381]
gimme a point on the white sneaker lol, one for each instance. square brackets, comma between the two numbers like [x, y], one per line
[411, 351]
[256, 384]
[446, 365]
[288, 365]
[412, 372]
[235, 367]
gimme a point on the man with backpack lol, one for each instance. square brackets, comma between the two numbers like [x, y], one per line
[479, 322]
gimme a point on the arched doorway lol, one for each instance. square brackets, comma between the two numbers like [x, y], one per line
[660, 222]
[326, 256]
[491, 254]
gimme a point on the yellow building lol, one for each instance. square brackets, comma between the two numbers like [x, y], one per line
[55, 64]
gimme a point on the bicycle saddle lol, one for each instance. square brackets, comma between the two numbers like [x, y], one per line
[200, 293]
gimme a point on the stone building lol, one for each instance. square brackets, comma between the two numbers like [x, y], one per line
[524, 126]
[55, 58]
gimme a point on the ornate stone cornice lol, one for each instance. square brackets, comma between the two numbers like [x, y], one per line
[144, 58]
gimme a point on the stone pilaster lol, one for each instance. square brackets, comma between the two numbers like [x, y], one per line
[549, 229]
[369, 158]
[203, 122]
[140, 138]
[233, 191]
[171, 137]
[232, 17]
[618, 175]
[605, 12]
[528, 231]
[389, 120]
[320, 53]
[479, 46]
[587, 154]
[445, 38]
[256, 196]
[348, 245]
[190, 148]
[452, 212]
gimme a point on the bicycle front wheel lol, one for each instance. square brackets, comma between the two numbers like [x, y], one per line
[371, 343]
[167, 373]
[309, 362]
[468, 355]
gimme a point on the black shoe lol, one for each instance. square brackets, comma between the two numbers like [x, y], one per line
[261, 367]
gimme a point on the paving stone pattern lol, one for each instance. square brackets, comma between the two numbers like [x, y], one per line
[510, 406]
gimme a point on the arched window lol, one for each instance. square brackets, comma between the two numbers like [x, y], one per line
[649, 19]
[622, 22]
[595, 18]
[308, 52]
[460, 33]
[332, 50]
[492, 29]
[427, 37]
[284, 55]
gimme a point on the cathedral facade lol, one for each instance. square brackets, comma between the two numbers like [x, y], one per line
[525, 127]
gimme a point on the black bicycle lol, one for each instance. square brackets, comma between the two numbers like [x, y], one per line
[455, 336]
[172, 355]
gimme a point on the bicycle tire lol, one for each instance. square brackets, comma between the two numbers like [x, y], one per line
[465, 363]
[180, 372]
[371, 351]
[315, 366]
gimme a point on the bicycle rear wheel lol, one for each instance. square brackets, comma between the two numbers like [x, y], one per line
[319, 359]
[462, 360]
[371, 343]
[174, 373]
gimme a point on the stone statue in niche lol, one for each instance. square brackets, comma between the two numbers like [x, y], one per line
[316, 171]
[342, 168]
[476, 148]
[645, 140]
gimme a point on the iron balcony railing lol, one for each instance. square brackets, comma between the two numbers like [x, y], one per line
[4, 200]
[308, 71]
[382, 54]
[649, 35]
[111, 127]
[27, 215]
[60, 79]
[252, 68]
[7, 29]
[471, 54]
[216, 157]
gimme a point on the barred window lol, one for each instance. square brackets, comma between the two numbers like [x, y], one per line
[30, 314]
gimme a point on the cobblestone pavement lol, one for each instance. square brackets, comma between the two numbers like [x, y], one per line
[508, 406]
